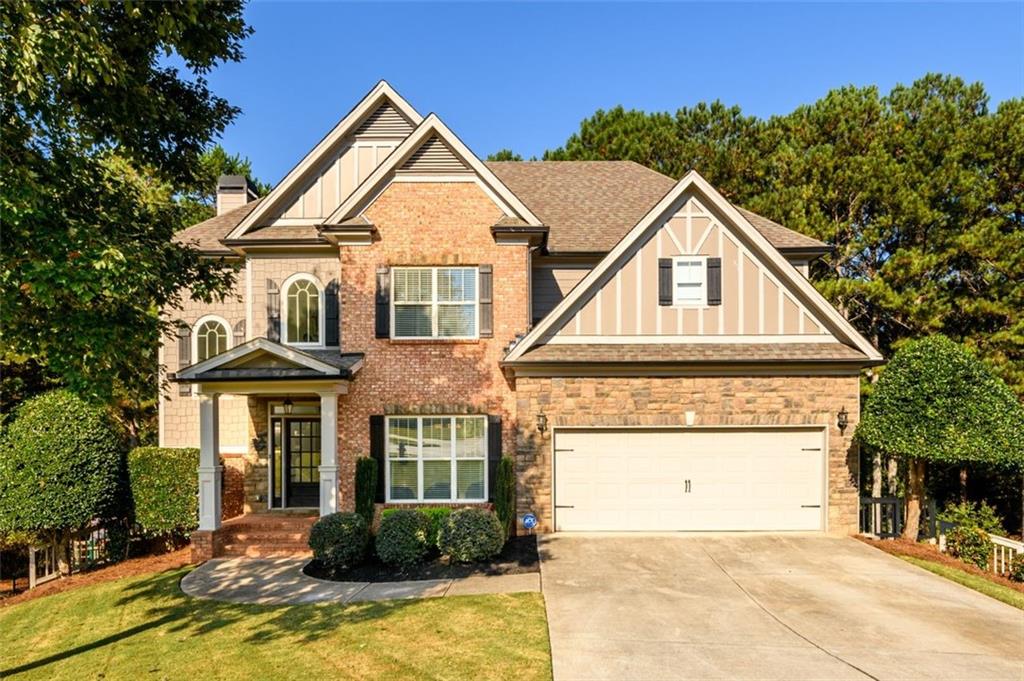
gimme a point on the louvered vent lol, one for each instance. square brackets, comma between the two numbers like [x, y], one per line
[434, 156]
[386, 121]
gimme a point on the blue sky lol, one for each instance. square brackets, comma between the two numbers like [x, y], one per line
[524, 75]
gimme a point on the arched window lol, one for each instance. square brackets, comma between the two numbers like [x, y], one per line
[211, 338]
[303, 311]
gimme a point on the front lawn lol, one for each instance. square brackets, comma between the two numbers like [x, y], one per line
[985, 586]
[144, 627]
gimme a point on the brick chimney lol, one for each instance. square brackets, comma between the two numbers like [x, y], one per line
[233, 191]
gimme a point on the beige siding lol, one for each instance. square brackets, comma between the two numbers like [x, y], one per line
[752, 302]
[551, 284]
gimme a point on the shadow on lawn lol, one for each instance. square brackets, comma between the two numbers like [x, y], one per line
[182, 614]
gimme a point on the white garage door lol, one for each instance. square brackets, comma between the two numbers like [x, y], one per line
[700, 480]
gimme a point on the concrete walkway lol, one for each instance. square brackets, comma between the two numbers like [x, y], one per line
[280, 581]
[784, 607]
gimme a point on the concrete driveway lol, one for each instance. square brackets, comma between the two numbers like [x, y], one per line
[764, 607]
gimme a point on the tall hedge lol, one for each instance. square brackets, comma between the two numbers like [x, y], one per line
[366, 487]
[505, 493]
[165, 489]
[61, 466]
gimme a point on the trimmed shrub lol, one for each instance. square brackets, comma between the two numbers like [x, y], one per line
[403, 537]
[366, 487]
[471, 534]
[61, 466]
[165, 489]
[971, 545]
[1017, 568]
[966, 514]
[339, 540]
[505, 494]
[437, 515]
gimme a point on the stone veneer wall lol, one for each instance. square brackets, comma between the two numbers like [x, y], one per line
[747, 400]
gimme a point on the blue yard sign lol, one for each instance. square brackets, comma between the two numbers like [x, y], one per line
[529, 521]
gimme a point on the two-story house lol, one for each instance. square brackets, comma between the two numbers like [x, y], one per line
[652, 356]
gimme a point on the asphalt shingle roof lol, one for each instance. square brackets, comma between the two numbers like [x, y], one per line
[690, 353]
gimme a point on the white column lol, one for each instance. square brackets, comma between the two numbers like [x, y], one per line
[210, 469]
[328, 452]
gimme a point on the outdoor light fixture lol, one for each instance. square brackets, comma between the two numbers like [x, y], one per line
[287, 406]
[842, 419]
[542, 422]
[259, 443]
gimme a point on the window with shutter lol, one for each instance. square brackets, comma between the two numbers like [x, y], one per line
[436, 458]
[434, 302]
[689, 281]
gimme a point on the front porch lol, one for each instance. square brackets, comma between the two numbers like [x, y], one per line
[293, 402]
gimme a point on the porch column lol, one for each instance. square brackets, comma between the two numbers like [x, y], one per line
[210, 469]
[328, 452]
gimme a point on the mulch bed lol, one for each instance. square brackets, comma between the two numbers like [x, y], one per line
[518, 557]
[930, 552]
[128, 568]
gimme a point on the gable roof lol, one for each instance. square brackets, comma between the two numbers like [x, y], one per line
[760, 245]
[232, 364]
[430, 138]
[366, 111]
[589, 205]
[206, 236]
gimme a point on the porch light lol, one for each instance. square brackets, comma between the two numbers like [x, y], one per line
[542, 422]
[287, 406]
[842, 419]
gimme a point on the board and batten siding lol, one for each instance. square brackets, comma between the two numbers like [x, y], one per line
[357, 156]
[551, 283]
[754, 301]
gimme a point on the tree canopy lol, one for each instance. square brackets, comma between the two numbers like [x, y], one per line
[100, 135]
[919, 192]
[199, 202]
[938, 402]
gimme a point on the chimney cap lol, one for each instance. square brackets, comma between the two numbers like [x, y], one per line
[239, 182]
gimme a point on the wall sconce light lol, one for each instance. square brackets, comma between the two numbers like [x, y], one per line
[542, 422]
[842, 419]
[287, 406]
[259, 443]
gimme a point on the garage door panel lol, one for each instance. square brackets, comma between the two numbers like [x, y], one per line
[739, 480]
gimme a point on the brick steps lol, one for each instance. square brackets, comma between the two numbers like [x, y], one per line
[265, 536]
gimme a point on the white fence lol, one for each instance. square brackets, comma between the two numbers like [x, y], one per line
[1003, 551]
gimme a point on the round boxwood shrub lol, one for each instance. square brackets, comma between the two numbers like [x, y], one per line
[165, 489]
[471, 534]
[403, 537]
[339, 540]
[61, 466]
[971, 545]
[1017, 568]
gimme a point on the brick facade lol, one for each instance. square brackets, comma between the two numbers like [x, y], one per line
[427, 224]
[715, 401]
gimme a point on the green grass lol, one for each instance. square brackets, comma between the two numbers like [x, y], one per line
[145, 628]
[979, 584]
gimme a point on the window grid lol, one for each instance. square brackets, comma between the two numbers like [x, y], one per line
[689, 281]
[448, 295]
[459, 464]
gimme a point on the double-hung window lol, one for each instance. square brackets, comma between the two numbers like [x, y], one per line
[436, 458]
[434, 302]
[689, 280]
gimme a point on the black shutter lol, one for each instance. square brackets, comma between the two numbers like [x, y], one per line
[184, 355]
[273, 311]
[493, 453]
[382, 326]
[331, 306]
[239, 333]
[377, 452]
[664, 281]
[486, 301]
[714, 281]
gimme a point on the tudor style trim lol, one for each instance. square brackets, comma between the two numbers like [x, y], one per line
[380, 93]
[383, 175]
[693, 181]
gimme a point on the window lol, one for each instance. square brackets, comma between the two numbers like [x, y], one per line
[436, 458]
[434, 302]
[689, 280]
[210, 338]
[303, 311]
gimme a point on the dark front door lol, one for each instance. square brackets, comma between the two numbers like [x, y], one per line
[302, 461]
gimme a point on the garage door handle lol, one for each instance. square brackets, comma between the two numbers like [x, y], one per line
[562, 506]
[564, 450]
[810, 505]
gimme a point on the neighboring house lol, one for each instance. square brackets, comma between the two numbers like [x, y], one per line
[652, 356]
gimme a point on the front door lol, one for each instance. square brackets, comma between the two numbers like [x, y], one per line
[296, 467]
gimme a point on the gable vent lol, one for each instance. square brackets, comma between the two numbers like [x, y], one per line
[386, 121]
[434, 156]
